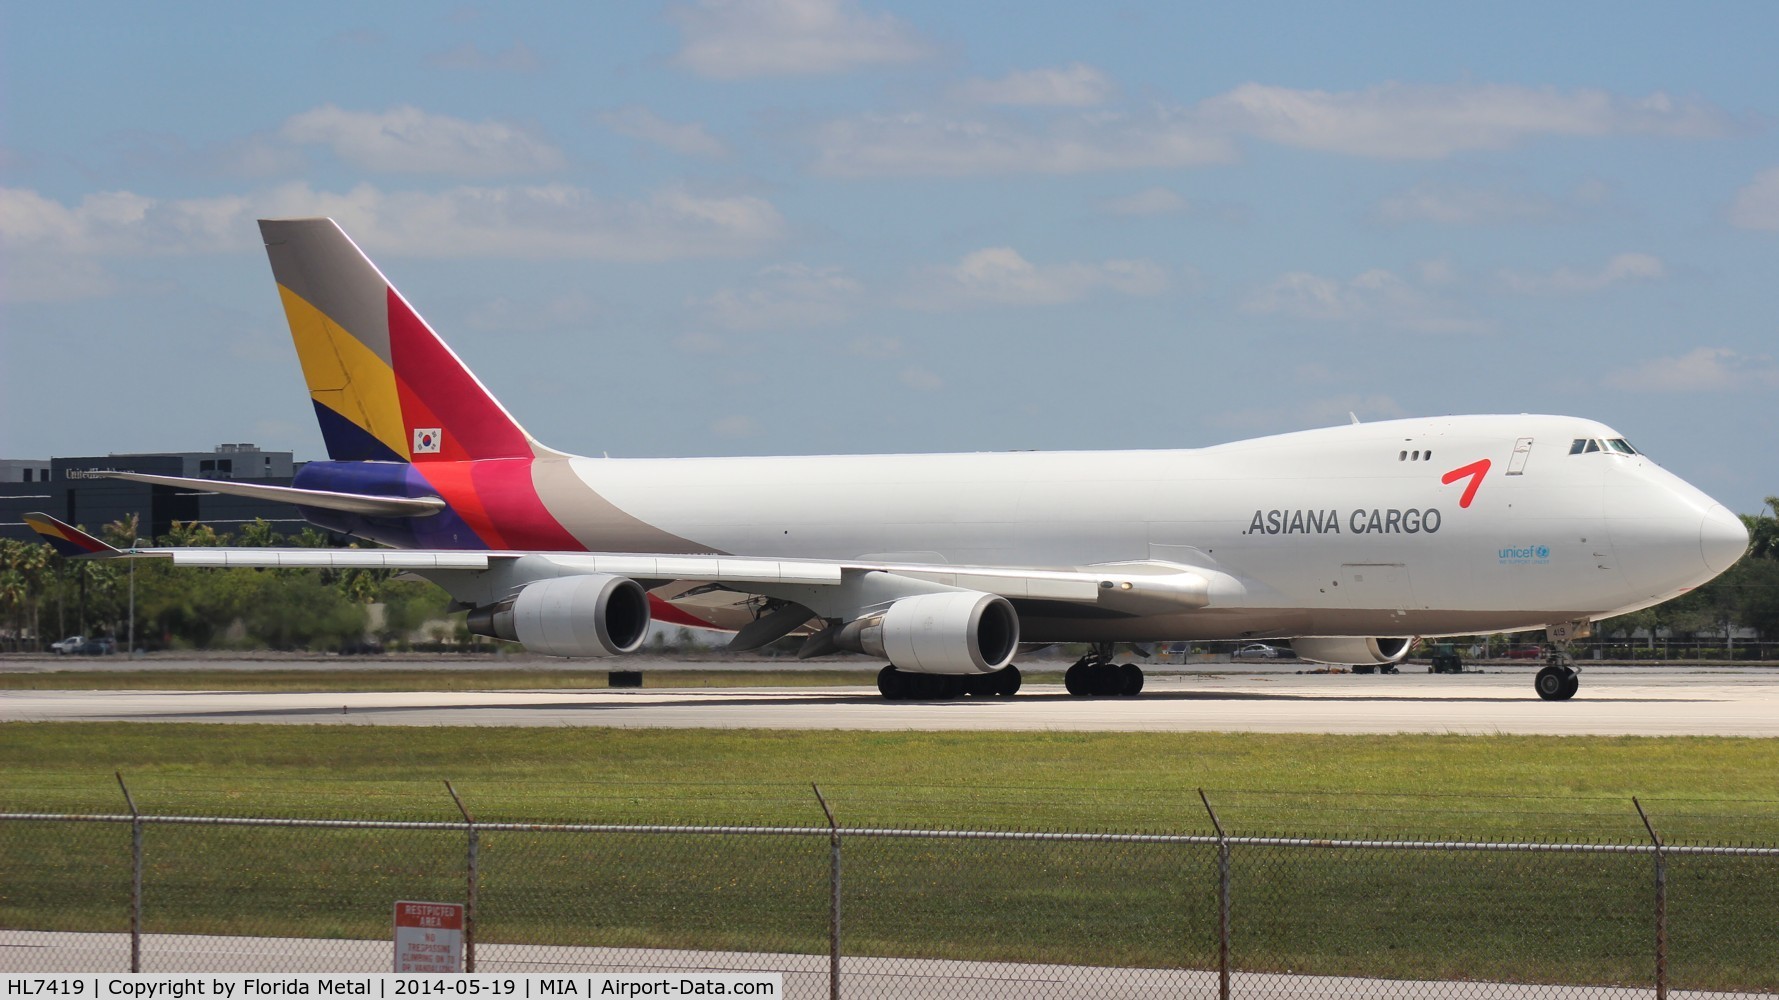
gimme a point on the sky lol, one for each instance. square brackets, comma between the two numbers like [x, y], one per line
[717, 227]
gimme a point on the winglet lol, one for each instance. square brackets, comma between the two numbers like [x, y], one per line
[66, 538]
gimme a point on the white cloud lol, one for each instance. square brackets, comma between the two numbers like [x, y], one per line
[786, 296]
[541, 222]
[1077, 86]
[1405, 121]
[1705, 369]
[1150, 201]
[925, 145]
[1757, 204]
[114, 223]
[408, 140]
[689, 139]
[469, 57]
[1456, 206]
[1001, 275]
[921, 380]
[1625, 267]
[1377, 296]
[737, 39]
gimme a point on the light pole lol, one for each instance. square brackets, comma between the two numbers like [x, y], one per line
[134, 541]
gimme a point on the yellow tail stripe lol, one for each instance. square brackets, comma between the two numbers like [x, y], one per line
[344, 375]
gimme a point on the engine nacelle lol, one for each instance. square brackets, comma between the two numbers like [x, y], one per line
[1345, 650]
[952, 633]
[589, 615]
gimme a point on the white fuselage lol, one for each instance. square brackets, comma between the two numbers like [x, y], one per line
[1349, 530]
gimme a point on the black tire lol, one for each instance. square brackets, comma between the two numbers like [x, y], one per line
[1549, 683]
[1132, 676]
[1007, 681]
[1078, 680]
[892, 684]
[1571, 684]
[1104, 679]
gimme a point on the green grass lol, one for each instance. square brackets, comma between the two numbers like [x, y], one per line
[1557, 918]
[400, 679]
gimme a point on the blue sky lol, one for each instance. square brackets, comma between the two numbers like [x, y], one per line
[805, 226]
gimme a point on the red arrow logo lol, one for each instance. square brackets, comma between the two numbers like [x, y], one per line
[1475, 472]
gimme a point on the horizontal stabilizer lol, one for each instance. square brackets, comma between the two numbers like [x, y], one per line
[66, 538]
[363, 504]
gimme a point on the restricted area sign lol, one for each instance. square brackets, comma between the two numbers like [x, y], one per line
[428, 937]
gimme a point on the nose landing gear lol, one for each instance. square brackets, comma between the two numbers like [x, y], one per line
[1559, 680]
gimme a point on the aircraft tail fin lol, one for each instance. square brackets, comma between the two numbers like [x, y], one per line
[384, 386]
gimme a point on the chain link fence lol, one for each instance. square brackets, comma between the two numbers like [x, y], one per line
[879, 912]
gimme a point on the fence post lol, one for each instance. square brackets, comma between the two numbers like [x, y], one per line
[469, 906]
[833, 896]
[1661, 905]
[135, 876]
[1222, 899]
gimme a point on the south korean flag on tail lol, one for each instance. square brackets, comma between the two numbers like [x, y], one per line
[426, 440]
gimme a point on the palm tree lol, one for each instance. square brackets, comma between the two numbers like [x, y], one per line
[122, 533]
[259, 534]
[190, 533]
[1763, 531]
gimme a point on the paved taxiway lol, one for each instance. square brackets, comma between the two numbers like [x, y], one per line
[804, 975]
[1641, 701]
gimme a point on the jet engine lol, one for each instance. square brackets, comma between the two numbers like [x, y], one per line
[961, 632]
[587, 615]
[1334, 649]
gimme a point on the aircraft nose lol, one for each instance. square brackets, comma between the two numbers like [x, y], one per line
[1722, 538]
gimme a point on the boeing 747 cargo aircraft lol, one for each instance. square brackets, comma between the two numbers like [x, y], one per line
[1349, 541]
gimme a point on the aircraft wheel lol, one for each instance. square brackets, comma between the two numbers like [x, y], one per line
[892, 684]
[1108, 679]
[1571, 684]
[1550, 683]
[1006, 681]
[1078, 680]
[1132, 676]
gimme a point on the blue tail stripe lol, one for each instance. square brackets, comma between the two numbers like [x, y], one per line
[348, 442]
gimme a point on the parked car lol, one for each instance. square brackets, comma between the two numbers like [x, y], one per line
[97, 647]
[1257, 651]
[1532, 652]
[68, 646]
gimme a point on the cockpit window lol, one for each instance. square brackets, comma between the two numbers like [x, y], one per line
[1589, 446]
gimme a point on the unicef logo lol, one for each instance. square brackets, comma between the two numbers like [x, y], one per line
[1525, 555]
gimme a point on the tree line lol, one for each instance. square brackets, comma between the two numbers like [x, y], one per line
[44, 597]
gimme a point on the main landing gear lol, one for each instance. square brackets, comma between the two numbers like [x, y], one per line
[1095, 673]
[906, 685]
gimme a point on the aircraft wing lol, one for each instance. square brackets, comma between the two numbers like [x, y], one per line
[1128, 586]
